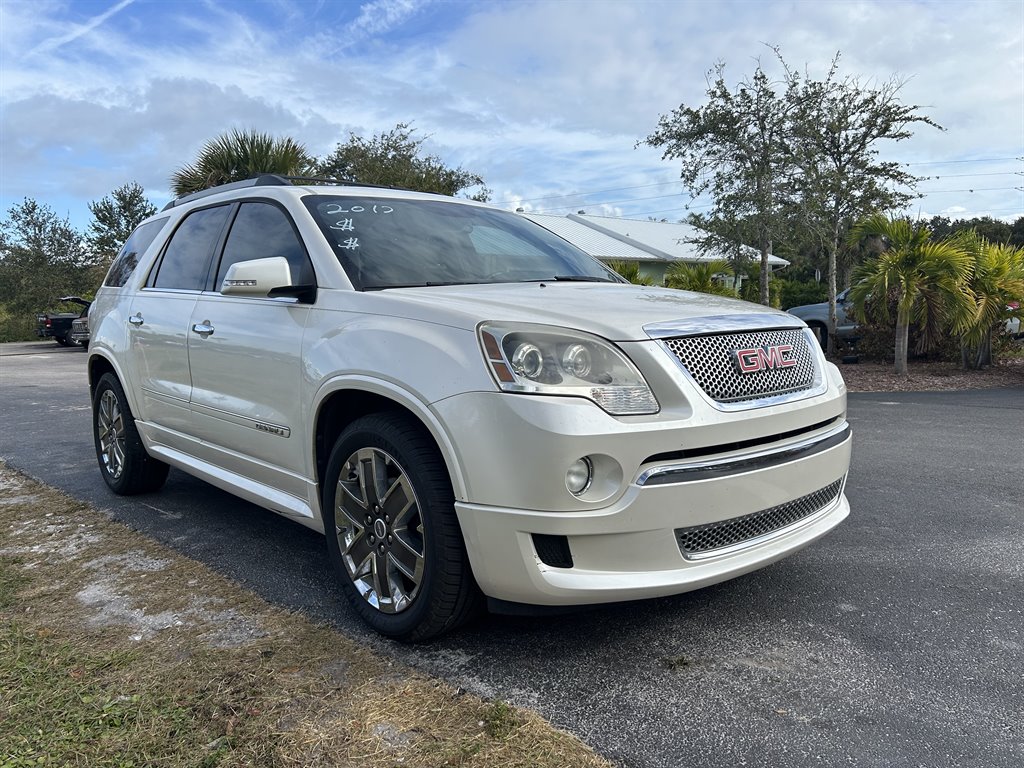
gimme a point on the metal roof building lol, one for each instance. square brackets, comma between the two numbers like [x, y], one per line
[654, 245]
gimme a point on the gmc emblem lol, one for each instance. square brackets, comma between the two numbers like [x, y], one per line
[756, 359]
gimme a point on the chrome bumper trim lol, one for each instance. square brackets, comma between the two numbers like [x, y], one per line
[692, 471]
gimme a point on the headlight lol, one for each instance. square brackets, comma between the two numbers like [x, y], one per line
[550, 361]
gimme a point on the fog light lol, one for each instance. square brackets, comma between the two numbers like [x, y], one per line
[579, 476]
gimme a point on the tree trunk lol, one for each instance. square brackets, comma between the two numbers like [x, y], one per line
[765, 298]
[833, 250]
[902, 335]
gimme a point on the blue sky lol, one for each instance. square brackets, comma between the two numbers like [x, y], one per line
[546, 100]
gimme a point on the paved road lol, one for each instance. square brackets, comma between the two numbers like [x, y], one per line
[898, 640]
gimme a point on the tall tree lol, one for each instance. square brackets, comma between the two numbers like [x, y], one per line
[926, 279]
[837, 124]
[113, 219]
[42, 257]
[396, 159]
[736, 148]
[1017, 232]
[239, 155]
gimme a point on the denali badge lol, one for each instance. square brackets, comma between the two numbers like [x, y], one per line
[754, 359]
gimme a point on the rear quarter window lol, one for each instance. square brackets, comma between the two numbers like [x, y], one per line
[128, 257]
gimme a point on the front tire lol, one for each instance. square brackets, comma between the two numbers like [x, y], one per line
[124, 463]
[392, 533]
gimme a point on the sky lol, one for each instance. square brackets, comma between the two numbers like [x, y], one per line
[545, 100]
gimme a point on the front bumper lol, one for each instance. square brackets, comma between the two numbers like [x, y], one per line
[629, 546]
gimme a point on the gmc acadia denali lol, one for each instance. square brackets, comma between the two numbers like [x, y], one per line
[467, 405]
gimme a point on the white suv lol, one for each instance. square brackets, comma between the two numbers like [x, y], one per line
[466, 404]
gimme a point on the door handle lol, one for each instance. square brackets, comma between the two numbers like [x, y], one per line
[204, 329]
[136, 319]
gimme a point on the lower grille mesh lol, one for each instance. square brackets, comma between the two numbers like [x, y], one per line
[701, 539]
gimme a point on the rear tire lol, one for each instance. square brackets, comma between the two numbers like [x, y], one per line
[392, 533]
[124, 463]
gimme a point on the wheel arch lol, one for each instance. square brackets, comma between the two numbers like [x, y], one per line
[100, 364]
[340, 402]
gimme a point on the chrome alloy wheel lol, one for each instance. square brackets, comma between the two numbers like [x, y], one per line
[110, 431]
[380, 530]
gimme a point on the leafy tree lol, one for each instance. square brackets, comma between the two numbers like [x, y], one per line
[631, 271]
[736, 147]
[796, 293]
[395, 159]
[114, 218]
[996, 279]
[836, 127]
[1017, 232]
[42, 257]
[993, 230]
[925, 279]
[239, 155]
[700, 277]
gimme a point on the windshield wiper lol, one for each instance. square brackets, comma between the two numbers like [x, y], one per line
[429, 284]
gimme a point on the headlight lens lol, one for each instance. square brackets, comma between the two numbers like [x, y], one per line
[542, 360]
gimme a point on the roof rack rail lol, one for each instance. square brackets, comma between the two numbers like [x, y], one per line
[269, 180]
[263, 180]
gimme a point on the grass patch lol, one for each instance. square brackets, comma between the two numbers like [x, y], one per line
[115, 651]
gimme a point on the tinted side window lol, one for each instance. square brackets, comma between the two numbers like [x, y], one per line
[128, 258]
[187, 259]
[261, 230]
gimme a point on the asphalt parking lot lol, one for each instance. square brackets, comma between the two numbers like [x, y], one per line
[898, 640]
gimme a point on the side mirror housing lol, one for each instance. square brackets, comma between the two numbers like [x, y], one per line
[265, 278]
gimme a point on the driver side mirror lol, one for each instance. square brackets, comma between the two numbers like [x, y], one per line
[265, 278]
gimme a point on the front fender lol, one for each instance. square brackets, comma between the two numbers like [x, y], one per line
[403, 397]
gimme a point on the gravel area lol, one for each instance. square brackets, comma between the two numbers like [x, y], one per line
[922, 377]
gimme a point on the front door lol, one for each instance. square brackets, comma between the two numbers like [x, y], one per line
[245, 356]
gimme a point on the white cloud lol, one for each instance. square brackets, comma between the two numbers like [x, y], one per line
[78, 30]
[541, 98]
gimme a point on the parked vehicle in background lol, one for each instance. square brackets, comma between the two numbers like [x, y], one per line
[57, 325]
[816, 317]
[1013, 324]
[80, 330]
[466, 404]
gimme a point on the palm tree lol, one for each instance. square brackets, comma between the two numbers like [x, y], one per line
[926, 279]
[631, 271]
[700, 277]
[241, 155]
[997, 279]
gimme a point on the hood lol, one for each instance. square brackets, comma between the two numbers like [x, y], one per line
[616, 311]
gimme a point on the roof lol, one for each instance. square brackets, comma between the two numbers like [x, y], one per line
[665, 241]
[588, 239]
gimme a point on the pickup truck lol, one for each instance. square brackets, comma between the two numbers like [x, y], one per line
[816, 317]
[57, 325]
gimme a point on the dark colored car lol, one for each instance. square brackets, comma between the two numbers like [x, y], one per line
[58, 325]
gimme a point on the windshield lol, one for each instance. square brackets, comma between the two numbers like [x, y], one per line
[386, 242]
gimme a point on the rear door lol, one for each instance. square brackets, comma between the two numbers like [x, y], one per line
[158, 321]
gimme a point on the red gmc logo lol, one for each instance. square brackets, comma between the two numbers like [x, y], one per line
[757, 359]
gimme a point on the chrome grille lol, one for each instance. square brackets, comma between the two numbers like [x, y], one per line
[702, 539]
[711, 362]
